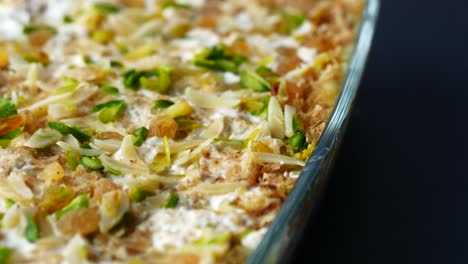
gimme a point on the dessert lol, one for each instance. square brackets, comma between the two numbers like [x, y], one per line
[153, 131]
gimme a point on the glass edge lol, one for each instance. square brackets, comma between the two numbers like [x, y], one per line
[271, 247]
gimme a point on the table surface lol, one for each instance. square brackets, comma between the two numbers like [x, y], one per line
[399, 190]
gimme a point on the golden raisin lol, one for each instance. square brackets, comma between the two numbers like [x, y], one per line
[39, 37]
[163, 126]
[207, 22]
[134, 3]
[55, 197]
[83, 221]
[10, 123]
[4, 60]
[103, 186]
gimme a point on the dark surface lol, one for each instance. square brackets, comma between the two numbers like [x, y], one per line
[399, 190]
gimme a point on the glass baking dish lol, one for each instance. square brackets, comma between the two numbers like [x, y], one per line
[278, 244]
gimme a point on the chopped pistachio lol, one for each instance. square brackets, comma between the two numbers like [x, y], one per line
[31, 232]
[137, 52]
[13, 133]
[256, 106]
[134, 79]
[6, 139]
[102, 36]
[5, 255]
[161, 84]
[139, 193]
[267, 74]
[174, 5]
[253, 81]
[10, 127]
[30, 58]
[126, 222]
[69, 86]
[112, 171]
[81, 201]
[216, 59]
[67, 19]
[291, 22]
[180, 30]
[85, 146]
[140, 135]
[131, 78]
[172, 200]
[110, 89]
[263, 70]
[91, 163]
[179, 109]
[107, 8]
[106, 105]
[66, 130]
[73, 159]
[283, 89]
[109, 112]
[306, 153]
[298, 142]
[7, 108]
[122, 48]
[87, 60]
[116, 64]
[161, 104]
[30, 28]
[9, 202]
[221, 239]
[298, 124]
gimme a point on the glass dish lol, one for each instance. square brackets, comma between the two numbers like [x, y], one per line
[285, 232]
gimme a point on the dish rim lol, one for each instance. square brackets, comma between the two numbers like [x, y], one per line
[283, 234]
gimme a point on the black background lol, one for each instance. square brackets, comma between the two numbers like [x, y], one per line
[399, 190]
